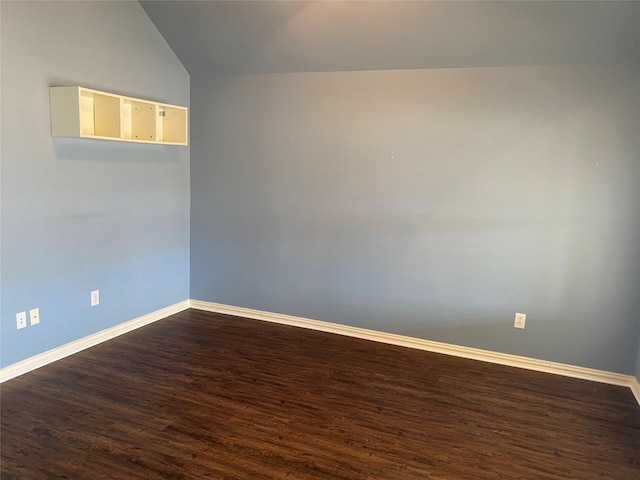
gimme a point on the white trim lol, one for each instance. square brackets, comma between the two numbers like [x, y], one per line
[428, 345]
[635, 388]
[42, 359]
[76, 346]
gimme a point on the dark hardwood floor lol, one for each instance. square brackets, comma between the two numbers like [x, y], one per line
[200, 395]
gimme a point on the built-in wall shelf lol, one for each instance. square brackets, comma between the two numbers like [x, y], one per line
[82, 112]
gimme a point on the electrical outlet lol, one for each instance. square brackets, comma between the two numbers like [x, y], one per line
[95, 297]
[520, 320]
[34, 316]
[21, 320]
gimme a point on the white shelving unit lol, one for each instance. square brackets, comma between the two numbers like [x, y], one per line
[82, 112]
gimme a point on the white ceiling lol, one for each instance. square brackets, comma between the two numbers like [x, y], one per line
[276, 36]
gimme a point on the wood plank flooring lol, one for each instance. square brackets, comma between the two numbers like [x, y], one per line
[206, 396]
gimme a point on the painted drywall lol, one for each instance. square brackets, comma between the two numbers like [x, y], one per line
[637, 371]
[79, 215]
[430, 203]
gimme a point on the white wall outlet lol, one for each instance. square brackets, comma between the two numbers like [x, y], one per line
[21, 320]
[34, 316]
[95, 297]
[520, 320]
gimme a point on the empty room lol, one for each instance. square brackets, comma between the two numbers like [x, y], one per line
[320, 240]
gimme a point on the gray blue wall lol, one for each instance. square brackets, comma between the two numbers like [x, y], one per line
[638, 366]
[79, 215]
[430, 203]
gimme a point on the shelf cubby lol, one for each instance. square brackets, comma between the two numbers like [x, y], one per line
[171, 124]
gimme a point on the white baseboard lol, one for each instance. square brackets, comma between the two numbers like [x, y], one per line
[428, 345]
[42, 359]
[566, 370]
[635, 388]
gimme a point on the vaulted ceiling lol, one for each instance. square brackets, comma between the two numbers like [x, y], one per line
[277, 36]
